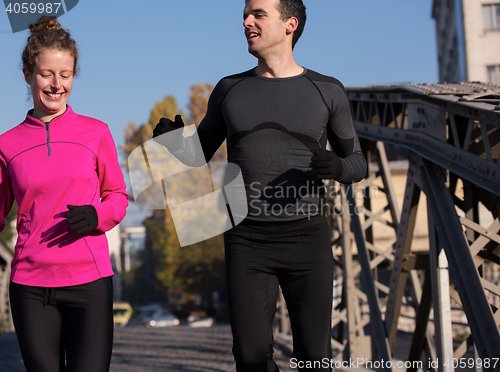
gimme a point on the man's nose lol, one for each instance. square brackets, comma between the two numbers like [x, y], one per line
[248, 22]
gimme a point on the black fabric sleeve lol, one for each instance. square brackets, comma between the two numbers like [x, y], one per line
[344, 139]
[212, 129]
[340, 128]
[354, 162]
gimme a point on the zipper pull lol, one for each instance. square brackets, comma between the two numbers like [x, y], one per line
[48, 137]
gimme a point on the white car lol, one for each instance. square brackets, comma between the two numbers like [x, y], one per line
[157, 316]
[199, 321]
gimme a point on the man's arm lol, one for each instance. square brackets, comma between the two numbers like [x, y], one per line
[344, 139]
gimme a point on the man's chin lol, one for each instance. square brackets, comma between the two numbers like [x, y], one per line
[253, 52]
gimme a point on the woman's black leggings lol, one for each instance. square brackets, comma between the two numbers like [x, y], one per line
[258, 261]
[64, 328]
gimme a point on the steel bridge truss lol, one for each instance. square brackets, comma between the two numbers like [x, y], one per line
[451, 135]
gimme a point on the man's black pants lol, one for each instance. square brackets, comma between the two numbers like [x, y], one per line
[297, 256]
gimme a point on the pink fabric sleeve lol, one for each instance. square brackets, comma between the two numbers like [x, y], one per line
[114, 198]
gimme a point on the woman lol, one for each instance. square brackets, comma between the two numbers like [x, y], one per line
[62, 170]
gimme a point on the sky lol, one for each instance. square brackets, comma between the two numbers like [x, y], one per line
[135, 53]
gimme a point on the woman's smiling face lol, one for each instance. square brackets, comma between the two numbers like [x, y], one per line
[51, 82]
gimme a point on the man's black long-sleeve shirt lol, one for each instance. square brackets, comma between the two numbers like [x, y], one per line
[273, 126]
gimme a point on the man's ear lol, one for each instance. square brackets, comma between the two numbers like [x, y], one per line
[27, 76]
[292, 25]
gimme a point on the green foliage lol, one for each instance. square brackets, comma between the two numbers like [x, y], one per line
[197, 269]
[133, 284]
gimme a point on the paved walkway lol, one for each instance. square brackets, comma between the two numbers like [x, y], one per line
[10, 356]
[140, 349]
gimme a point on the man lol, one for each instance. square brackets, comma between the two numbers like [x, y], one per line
[277, 119]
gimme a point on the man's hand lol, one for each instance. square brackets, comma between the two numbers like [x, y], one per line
[326, 164]
[166, 125]
[82, 217]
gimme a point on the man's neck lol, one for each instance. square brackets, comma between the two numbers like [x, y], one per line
[278, 67]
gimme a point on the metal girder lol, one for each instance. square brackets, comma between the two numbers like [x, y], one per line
[356, 316]
[405, 262]
[465, 276]
[422, 318]
[469, 166]
[439, 277]
[364, 260]
[378, 331]
[402, 254]
[441, 122]
[444, 99]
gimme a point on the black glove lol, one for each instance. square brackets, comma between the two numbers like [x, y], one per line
[326, 164]
[82, 217]
[166, 125]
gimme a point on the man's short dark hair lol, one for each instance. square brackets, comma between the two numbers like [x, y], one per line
[297, 9]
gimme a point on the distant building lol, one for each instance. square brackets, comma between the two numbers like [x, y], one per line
[468, 40]
[124, 244]
[114, 243]
[133, 242]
